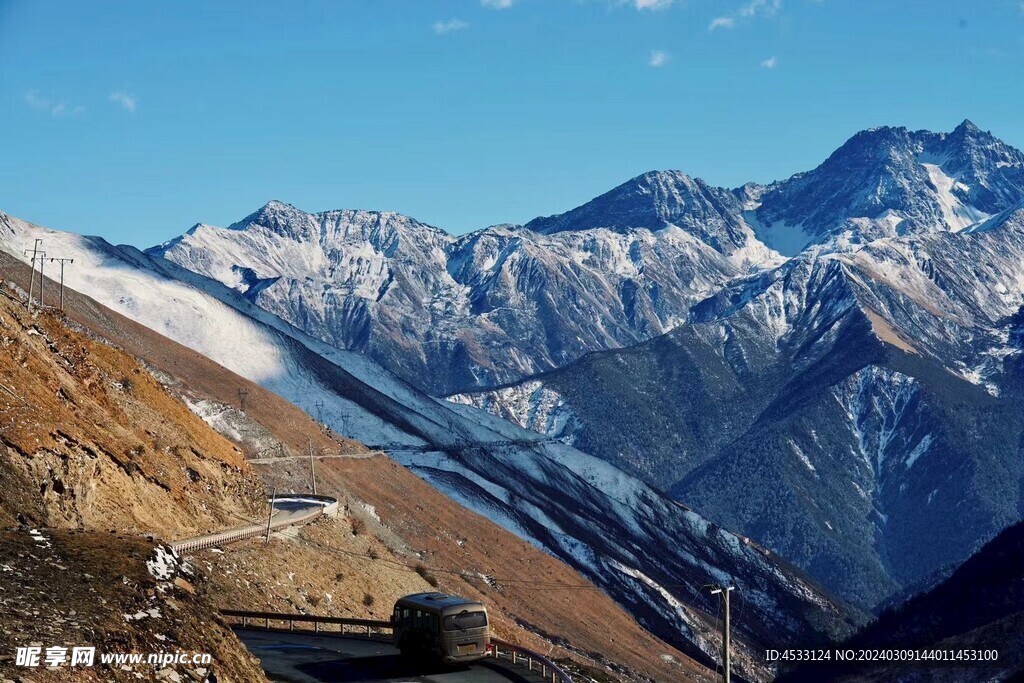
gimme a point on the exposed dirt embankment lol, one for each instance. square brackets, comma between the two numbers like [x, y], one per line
[69, 589]
[89, 439]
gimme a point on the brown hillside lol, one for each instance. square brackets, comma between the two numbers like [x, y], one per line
[89, 439]
[331, 566]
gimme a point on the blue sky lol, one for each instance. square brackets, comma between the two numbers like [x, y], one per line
[135, 120]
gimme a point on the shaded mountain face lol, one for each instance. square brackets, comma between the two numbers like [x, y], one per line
[448, 313]
[835, 408]
[650, 553]
[979, 604]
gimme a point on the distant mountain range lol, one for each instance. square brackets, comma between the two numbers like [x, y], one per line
[836, 347]
[650, 553]
[829, 364]
[458, 313]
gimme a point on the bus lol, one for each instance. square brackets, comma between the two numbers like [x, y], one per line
[442, 626]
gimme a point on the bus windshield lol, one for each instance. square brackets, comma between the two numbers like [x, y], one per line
[465, 620]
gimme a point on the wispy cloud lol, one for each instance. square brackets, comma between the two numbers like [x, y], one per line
[658, 58]
[49, 105]
[770, 63]
[443, 27]
[126, 101]
[652, 4]
[749, 10]
[755, 7]
[497, 4]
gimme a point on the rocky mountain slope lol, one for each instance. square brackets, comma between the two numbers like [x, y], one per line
[447, 313]
[457, 313]
[859, 395]
[96, 461]
[647, 551]
[891, 181]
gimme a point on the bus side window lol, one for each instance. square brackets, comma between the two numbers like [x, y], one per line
[434, 624]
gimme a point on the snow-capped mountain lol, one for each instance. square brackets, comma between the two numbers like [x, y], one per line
[875, 289]
[891, 181]
[649, 552]
[870, 399]
[458, 313]
[448, 313]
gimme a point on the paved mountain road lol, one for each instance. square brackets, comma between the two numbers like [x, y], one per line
[308, 658]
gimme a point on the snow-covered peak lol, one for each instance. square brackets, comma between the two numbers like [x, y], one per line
[892, 181]
[654, 201]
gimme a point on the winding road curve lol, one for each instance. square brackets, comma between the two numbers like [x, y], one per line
[308, 658]
[296, 657]
[288, 510]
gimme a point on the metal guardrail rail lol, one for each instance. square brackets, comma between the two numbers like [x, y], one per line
[251, 619]
[534, 662]
[326, 503]
[500, 649]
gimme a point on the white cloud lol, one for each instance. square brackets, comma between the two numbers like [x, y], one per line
[52, 107]
[770, 63]
[442, 27]
[497, 4]
[750, 10]
[126, 101]
[755, 7]
[652, 4]
[659, 58]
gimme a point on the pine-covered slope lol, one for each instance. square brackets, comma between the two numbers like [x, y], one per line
[978, 605]
[858, 396]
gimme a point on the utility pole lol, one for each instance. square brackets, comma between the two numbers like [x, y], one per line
[270, 515]
[32, 280]
[42, 282]
[724, 591]
[312, 469]
[242, 394]
[62, 261]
